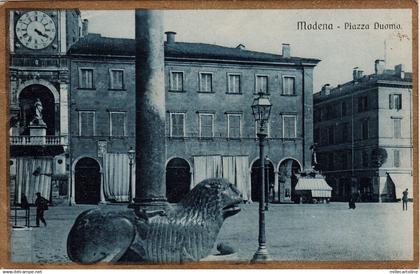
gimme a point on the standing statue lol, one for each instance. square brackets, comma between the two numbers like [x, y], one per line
[38, 113]
[184, 233]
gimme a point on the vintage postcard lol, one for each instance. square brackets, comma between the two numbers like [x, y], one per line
[188, 135]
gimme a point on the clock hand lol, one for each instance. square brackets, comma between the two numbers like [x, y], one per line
[40, 33]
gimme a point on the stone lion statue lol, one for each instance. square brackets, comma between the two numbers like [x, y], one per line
[185, 232]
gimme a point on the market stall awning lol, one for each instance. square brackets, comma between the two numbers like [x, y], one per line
[402, 181]
[318, 186]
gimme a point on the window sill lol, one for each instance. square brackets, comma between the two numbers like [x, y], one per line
[117, 89]
[209, 92]
[176, 138]
[233, 93]
[117, 137]
[233, 139]
[206, 138]
[79, 88]
[176, 91]
[288, 95]
[264, 93]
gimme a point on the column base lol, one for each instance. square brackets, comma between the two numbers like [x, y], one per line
[261, 255]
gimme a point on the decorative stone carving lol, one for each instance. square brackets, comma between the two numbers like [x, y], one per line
[38, 114]
[186, 232]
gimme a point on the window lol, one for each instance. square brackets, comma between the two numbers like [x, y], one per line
[288, 85]
[234, 83]
[365, 129]
[363, 103]
[206, 125]
[177, 81]
[397, 127]
[395, 101]
[116, 79]
[117, 122]
[343, 109]
[289, 126]
[266, 128]
[86, 123]
[331, 135]
[206, 82]
[261, 84]
[396, 158]
[365, 159]
[234, 126]
[345, 133]
[177, 125]
[86, 78]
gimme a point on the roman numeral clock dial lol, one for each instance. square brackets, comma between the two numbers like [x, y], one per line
[35, 30]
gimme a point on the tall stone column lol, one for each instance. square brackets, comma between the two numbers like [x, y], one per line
[150, 110]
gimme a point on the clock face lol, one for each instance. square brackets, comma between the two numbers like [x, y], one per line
[35, 30]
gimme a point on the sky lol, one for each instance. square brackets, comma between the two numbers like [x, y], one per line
[339, 50]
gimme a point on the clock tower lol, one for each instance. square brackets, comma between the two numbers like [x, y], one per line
[39, 85]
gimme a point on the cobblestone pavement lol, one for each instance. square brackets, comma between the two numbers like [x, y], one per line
[323, 232]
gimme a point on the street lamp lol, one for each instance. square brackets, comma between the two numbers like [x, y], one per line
[261, 108]
[267, 181]
[131, 153]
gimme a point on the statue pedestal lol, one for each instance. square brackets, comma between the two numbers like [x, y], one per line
[37, 134]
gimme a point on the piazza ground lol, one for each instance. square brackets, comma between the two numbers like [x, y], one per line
[305, 232]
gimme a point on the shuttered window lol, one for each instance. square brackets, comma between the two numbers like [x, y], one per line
[234, 83]
[397, 127]
[234, 125]
[395, 101]
[288, 85]
[396, 158]
[177, 81]
[289, 126]
[86, 78]
[177, 124]
[206, 82]
[117, 124]
[117, 79]
[261, 84]
[86, 123]
[206, 125]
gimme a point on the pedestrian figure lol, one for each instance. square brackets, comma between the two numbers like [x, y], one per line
[405, 199]
[25, 205]
[41, 205]
[352, 202]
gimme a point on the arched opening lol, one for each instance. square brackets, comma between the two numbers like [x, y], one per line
[87, 181]
[288, 169]
[178, 179]
[256, 180]
[27, 99]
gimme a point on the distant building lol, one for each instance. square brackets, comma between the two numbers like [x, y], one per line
[363, 129]
[210, 129]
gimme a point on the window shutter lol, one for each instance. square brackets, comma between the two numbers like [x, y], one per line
[391, 101]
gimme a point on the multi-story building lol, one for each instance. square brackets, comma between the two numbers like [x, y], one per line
[363, 131]
[210, 130]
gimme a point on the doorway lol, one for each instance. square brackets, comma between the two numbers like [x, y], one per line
[178, 179]
[88, 181]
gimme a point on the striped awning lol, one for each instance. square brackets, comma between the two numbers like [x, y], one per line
[402, 182]
[318, 186]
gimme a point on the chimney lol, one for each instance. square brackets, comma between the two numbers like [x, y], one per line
[240, 46]
[379, 66]
[359, 74]
[170, 37]
[85, 27]
[399, 71]
[285, 50]
[355, 73]
[326, 89]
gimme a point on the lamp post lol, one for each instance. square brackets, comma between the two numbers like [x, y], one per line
[131, 153]
[261, 108]
[267, 181]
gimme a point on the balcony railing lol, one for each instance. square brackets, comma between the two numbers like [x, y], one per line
[38, 140]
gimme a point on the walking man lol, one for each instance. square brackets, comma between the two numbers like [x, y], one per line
[41, 205]
[405, 199]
